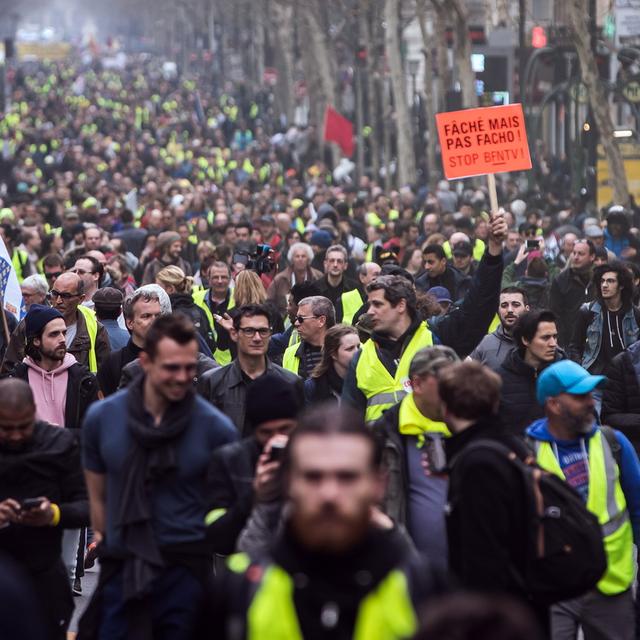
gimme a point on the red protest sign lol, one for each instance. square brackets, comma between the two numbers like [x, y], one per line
[475, 142]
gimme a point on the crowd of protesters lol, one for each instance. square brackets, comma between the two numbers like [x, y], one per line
[273, 404]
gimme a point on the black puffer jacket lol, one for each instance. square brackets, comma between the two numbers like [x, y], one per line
[621, 400]
[518, 404]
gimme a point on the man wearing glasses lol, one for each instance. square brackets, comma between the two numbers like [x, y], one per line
[90, 272]
[316, 316]
[226, 387]
[87, 340]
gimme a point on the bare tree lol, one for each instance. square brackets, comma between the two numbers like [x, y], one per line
[319, 61]
[579, 15]
[406, 158]
[443, 78]
[427, 97]
[462, 52]
[281, 15]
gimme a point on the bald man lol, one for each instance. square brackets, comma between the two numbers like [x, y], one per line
[87, 340]
[31, 533]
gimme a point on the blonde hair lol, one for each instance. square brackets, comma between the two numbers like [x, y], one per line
[175, 277]
[249, 289]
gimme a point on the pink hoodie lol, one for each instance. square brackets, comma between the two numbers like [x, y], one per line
[50, 389]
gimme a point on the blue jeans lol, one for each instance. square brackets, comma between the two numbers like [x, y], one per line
[175, 601]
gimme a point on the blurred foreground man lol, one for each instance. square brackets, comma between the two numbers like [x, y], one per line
[146, 451]
[336, 570]
[39, 463]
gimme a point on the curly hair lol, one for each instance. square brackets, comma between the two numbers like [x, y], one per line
[625, 280]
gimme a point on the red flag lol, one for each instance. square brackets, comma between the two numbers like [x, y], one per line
[339, 130]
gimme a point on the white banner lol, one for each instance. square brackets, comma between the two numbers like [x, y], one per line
[9, 286]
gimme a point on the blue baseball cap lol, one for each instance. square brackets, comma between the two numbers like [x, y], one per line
[565, 376]
[441, 294]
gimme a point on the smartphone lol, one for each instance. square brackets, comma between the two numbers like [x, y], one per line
[433, 450]
[31, 503]
[533, 244]
[277, 451]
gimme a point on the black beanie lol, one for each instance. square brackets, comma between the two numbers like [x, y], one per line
[38, 317]
[269, 397]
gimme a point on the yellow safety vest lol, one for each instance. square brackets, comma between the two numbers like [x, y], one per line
[351, 302]
[92, 329]
[222, 356]
[290, 359]
[495, 323]
[478, 249]
[386, 613]
[374, 380]
[294, 338]
[19, 260]
[607, 502]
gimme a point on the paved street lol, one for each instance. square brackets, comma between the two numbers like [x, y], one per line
[89, 583]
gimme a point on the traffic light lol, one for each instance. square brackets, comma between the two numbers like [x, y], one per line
[538, 37]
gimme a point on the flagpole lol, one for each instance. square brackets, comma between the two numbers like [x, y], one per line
[5, 326]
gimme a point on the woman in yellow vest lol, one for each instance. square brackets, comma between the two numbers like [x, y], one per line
[602, 466]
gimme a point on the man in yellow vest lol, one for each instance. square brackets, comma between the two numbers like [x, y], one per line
[350, 303]
[602, 466]
[216, 302]
[378, 376]
[339, 568]
[315, 317]
[413, 437]
[87, 339]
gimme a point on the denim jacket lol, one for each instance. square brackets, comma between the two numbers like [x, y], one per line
[630, 333]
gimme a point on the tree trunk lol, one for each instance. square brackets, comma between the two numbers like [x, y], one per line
[579, 14]
[282, 19]
[373, 95]
[427, 97]
[386, 136]
[462, 53]
[442, 54]
[323, 64]
[406, 158]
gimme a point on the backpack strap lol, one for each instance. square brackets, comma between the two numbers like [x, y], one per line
[609, 434]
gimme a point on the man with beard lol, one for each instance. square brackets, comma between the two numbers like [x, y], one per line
[338, 568]
[41, 494]
[146, 451]
[602, 466]
[493, 348]
[169, 248]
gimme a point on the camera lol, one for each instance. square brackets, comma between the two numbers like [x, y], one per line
[533, 245]
[259, 261]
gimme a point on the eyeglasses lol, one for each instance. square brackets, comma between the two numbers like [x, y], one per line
[249, 332]
[301, 319]
[52, 275]
[65, 296]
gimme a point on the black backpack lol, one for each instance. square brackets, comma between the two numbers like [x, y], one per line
[564, 552]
